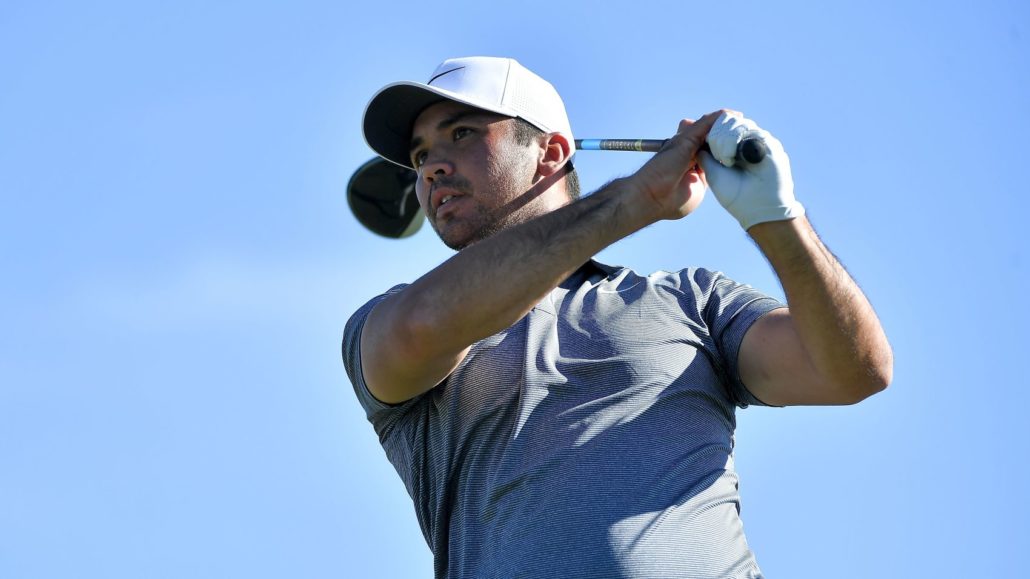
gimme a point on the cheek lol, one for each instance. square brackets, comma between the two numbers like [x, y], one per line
[422, 194]
[512, 172]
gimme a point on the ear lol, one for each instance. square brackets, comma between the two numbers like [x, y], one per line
[554, 154]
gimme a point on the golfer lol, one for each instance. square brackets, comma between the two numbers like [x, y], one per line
[553, 416]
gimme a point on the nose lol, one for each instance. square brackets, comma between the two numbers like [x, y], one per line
[434, 167]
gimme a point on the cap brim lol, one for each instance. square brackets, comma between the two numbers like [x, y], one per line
[392, 111]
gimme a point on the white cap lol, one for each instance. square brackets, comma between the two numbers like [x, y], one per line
[499, 85]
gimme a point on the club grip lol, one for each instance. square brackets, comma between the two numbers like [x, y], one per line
[752, 150]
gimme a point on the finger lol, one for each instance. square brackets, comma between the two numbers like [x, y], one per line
[695, 175]
[731, 128]
[702, 125]
[710, 166]
[700, 172]
[693, 133]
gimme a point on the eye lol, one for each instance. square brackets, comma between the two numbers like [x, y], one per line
[461, 132]
[418, 159]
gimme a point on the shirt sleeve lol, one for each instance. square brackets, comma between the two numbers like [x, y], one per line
[383, 416]
[728, 309]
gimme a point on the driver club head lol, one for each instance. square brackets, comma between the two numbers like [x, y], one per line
[381, 195]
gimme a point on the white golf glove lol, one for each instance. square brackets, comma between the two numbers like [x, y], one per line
[752, 193]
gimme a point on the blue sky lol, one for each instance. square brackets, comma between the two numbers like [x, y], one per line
[178, 262]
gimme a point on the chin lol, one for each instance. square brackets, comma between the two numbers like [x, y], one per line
[454, 239]
[459, 235]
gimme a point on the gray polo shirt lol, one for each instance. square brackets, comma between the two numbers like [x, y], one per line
[592, 438]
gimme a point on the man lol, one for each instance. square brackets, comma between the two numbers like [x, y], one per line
[552, 416]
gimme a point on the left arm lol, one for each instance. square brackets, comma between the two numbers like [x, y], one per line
[829, 346]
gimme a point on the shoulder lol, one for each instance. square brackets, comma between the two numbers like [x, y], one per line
[381, 415]
[352, 330]
[362, 312]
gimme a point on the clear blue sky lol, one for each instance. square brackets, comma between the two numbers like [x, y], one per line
[178, 262]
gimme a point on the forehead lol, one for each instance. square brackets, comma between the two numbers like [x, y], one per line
[439, 115]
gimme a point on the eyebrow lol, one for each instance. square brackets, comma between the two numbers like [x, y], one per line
[451, 120]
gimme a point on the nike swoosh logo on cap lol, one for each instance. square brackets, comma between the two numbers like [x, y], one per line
[443, 73]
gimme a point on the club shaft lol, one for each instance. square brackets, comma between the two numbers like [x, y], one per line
[752, 149]
[642, 145]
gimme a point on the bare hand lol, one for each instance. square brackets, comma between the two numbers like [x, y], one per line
[672, 180]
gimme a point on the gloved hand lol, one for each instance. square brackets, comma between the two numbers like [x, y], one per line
[752, 193]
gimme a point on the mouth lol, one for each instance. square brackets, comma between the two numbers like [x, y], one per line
[448, 208]
[442, 197]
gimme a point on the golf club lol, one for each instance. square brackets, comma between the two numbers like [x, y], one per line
[381, 195]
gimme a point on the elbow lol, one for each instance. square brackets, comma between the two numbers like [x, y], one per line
[423, 335]
[881, 370]
[408, 326]
[415, 332]
[873, 384]
[873, 378]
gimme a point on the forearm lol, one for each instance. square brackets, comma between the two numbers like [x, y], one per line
[836, 324]
[495, 282]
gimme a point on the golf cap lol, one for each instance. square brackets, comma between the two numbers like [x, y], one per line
[499, 85]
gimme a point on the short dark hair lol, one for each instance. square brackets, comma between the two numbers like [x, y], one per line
[525, 133]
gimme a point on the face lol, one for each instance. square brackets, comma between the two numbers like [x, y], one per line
[474, 179]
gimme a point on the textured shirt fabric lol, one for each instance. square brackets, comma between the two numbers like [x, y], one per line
[592, 438]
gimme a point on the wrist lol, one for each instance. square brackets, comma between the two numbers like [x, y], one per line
[783, 240]
[637, 207]
[787, 210]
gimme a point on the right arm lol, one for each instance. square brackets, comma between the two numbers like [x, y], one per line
[414, 339]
